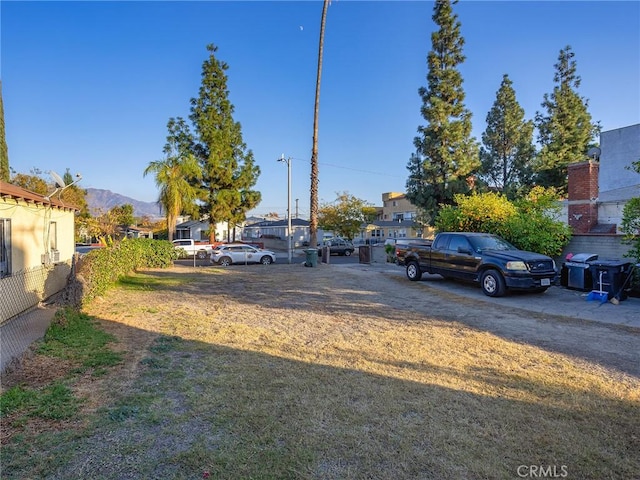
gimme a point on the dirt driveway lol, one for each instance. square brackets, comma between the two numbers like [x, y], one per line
[547, 320]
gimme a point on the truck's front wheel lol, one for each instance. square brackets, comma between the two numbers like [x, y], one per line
[413, 271]
[492, 283]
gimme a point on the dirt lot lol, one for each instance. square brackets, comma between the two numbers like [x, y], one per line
[368, 321]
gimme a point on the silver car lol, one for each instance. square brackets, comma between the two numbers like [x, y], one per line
[228, 254]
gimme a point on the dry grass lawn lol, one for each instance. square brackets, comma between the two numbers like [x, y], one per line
[334, 373]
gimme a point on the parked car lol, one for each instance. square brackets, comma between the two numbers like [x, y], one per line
[337, 246]
[232, 253]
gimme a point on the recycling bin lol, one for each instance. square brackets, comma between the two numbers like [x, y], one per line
[609, 276]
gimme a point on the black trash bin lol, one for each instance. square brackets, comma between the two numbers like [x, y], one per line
[576, 272]
[609, 276]
[364, 253]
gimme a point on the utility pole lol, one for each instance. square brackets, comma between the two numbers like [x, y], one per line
[288, 162]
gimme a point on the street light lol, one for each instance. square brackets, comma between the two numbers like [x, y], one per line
[288, 162]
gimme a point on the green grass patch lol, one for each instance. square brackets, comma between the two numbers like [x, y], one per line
[53, 402]
[75, 336]
[146, 282]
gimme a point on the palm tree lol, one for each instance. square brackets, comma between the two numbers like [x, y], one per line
[313, 219]
[177, 195]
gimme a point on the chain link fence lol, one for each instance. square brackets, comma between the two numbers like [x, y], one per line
[23, 292]
[25, 289]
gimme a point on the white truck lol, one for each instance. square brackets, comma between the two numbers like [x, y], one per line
[191, 247]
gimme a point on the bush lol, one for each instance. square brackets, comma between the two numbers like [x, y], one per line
[530, 223]
[101, 268]
[631, 229]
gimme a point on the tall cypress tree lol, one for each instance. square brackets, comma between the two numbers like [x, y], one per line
[446, 154]
[228, 167]
[507, 152]
[4, 152]
[566, 131]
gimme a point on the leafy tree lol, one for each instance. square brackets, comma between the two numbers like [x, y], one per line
[177, 173]
[4, 152]
[507, 153]
[446, 154]
[345, 215]
[122, 215]
[565, 131]
[228, 169]
[313, 191]
[34, 183]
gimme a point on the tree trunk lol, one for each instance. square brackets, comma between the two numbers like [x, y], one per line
[313, 208]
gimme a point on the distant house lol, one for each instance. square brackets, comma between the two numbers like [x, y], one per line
[199, 230]
[36, 248]
[396, 219]
[261, 231]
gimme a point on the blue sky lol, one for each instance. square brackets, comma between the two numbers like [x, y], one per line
[90, 86]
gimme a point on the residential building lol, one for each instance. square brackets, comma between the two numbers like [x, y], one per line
[37, 245]
[396, 219]
[262, 231]
[598, 190]
[199, 230]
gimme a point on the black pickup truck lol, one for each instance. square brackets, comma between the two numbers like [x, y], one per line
[480, 257]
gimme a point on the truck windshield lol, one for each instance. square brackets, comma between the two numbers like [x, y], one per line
[490, 242]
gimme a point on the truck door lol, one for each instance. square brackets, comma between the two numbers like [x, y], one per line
[438, 254]
[460, 258]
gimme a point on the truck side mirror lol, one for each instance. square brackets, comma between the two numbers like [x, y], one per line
[464, 250]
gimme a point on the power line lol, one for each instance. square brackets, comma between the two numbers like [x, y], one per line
[385, 174]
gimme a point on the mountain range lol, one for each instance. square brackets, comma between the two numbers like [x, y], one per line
[100, 200]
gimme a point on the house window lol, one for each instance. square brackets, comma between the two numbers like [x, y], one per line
[5, 247]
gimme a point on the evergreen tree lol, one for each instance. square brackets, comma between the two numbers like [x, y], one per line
[177, 174]
[74, 195]
[566, 131]
[229, 170]
[507, 153]
[446, 154]
[4, 152]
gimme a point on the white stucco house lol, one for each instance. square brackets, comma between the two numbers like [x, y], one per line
[36, 248]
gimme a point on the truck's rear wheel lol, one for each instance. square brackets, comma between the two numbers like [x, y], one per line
[413, 271]
[492, 283]
[202, 254]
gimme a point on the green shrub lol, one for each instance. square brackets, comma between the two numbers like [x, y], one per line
[530, 223]
[101, 268]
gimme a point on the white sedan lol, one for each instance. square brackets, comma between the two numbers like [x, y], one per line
[241, 253]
